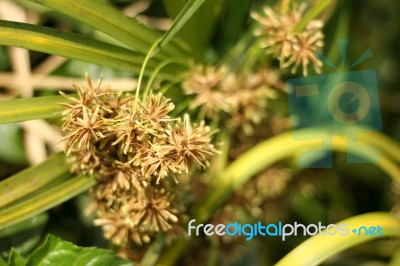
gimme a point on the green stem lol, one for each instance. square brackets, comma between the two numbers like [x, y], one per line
[273, 150]
[32, 179]
[147, 58]
[153, 76]
[314, 12]
[318, 248]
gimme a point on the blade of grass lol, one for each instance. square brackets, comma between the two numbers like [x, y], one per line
[18, 110]
[111, 21]
[45, 200]
[186, 13]
[204, 19]
[71, 45]
[318, 248]
[31, 179]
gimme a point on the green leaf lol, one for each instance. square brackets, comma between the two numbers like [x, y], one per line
[28, 224]
[44, 200]
[187, 12]
[55, 251]
[277, 148]
[2, 262]
[318, 248]
[70, 45]
[204, 19]
[11, 146]
[23, 236]
[16, 259]
[18, 110]
[32, 179]
[111, 21]
[284, 146]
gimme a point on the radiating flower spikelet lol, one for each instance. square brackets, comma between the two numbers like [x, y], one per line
[250, 93]
[128, 147]
[278, 34]
[204, 82]
[190, 144]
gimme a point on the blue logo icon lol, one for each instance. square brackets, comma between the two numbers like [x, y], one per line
[334, 101]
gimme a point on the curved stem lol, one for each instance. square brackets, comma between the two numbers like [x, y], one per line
[153, 76]
[275, 149]
[141, 74]
[318, 248]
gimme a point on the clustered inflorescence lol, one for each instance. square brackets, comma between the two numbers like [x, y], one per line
[279, 34]
[242, 97]
[137, 152]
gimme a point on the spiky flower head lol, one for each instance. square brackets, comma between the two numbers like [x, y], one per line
[242, 97]
[279, 36]
[137, 152]
[205, 83]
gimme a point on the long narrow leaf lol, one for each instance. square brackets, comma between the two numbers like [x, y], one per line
[109, 20]
[318, 248]
[32, 179]
[69, 45]
[204, 19]
[187, 12]
[45, 200]
[18, 110]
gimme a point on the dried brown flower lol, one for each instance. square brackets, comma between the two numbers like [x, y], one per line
[191, 145]
[83, 130]
[205, 83]
[279, 36]
[250, 92]
[135, 214]
[130, 148]
[243, 96]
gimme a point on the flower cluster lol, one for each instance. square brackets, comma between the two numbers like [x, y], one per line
[243, 97]
[279, 36]
[137, 152]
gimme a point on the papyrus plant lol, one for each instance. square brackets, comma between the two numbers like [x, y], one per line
[195, 138]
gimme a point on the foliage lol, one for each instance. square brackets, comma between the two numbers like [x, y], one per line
[145, 152]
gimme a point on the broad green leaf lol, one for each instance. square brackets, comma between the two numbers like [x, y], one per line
[11, 146]
[23, 236]
[187, 12]
[44, 200]
[2, 262]
[55, 251]
[111, 21]
[318, 248]
[70, 45]
[15, 259]
[32, 179]
[18, 110]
